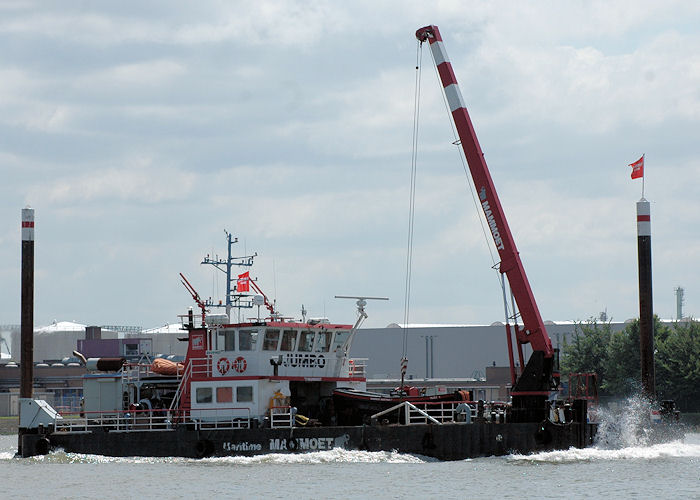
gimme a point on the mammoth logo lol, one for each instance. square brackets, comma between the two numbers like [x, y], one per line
[224, 365]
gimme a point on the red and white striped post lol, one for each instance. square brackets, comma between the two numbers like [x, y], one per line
[646, 307]
[27, 318]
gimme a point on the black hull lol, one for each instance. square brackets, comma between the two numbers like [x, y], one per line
[454, 441]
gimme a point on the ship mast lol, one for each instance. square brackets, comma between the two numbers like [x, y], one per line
[233, 298]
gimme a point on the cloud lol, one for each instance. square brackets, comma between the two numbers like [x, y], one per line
[151, 73]
[266, 23]
[138, 182]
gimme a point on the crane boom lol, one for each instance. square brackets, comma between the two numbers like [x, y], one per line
[533, 331]
[511, 265]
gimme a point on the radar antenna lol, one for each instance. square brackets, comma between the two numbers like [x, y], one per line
[361, 303]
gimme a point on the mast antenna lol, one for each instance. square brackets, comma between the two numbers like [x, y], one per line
[233, 298]
[361, 303]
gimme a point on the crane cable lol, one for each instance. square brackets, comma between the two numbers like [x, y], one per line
[412, 199]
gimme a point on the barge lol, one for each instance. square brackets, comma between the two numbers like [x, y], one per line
[280, 386]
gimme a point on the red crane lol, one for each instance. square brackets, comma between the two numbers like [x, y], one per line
[537, 377]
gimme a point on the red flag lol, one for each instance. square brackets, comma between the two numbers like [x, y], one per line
[637, 168]
[243, 283]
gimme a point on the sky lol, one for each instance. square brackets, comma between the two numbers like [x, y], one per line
[141, 131]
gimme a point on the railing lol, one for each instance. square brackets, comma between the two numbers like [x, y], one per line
[281, 416]
[181, 387]
[134, 372]
[357, 367]
[201, 367]
[441, 412]
[115, 421]
[218, 418]
[444, 412]
[153, 420]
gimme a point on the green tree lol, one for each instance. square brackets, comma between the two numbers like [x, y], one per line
[615, 356]
[587, 349]
[624, 368]
[678, 365]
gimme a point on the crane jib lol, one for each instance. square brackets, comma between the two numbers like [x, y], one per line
[534, 331]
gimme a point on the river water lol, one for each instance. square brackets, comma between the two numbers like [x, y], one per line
[670, 470]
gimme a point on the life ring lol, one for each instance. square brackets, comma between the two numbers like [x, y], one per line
[292, 444]
[42, 446]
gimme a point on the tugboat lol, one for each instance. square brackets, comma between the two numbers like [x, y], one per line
[275, 386]
[278, 385]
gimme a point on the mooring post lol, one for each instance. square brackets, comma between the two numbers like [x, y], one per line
[26, 381]
[27, 319]
[646, 308]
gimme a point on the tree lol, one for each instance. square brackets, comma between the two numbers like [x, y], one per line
[587, 351]
[615, 358]
[678, 365]
[623, 366]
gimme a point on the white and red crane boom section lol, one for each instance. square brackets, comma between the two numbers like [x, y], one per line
[534, 331]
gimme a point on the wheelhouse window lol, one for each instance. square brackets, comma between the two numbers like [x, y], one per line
[341, 336]
[306, 341]
[244, 394]
[224, 394]
[271, 340]
[289, 340]
[323, 344]
[203, 395]
[227, 340]
[247, 340]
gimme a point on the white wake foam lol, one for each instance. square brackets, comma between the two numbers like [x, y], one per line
[625, 425]
[337, 455]
[675, 449]
[625, 432]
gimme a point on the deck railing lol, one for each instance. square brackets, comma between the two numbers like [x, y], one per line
[153, 420]
[181, 387]
[357, 367]
[281, 416]
[443, 412]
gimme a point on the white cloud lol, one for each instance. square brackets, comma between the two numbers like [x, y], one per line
[152, 73]
[139, 181]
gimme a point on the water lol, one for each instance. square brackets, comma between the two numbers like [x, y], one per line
[641, 471]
